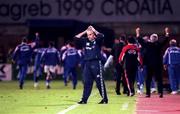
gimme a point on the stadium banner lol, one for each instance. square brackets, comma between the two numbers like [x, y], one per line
[19, 11]
[5, 72]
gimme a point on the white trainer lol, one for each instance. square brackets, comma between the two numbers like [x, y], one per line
[174, 92]
[36, 85]
[138, 91]
[153, 90]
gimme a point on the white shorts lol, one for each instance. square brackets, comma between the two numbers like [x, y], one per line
[50, 68]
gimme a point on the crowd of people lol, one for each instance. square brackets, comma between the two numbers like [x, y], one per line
[134, 59]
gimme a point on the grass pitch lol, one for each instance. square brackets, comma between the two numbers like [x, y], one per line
[60, 98]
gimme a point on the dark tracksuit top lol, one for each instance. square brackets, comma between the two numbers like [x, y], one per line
[118, 70]
[92, 66]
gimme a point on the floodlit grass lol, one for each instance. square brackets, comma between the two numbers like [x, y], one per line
[58, 98]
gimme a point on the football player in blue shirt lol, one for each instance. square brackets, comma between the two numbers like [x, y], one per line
[38, 69]
[71, 58]
[50, 59]
[22, 55]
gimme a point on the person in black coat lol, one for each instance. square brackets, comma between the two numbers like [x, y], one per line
[153, 59]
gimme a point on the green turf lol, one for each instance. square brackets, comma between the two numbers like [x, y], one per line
[59, 98]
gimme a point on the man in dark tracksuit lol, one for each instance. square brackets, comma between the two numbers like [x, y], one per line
[92, 66]
[116, 50]
[153, 59]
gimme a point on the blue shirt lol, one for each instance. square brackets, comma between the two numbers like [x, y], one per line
[23, 54]
[172, 56]
[38, 53]
[50, 56]
[71, 57]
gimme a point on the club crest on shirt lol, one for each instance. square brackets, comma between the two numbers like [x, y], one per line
[87, 44]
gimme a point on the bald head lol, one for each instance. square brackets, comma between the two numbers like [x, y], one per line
[172, 42]
[153, 38]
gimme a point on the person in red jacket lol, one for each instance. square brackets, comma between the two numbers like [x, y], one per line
[130, 59]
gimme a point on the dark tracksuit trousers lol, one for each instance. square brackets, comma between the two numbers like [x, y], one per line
[130, 75]
[157, 72]
[119, 74]
[93, 71]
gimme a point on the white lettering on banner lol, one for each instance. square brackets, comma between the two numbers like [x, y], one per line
[5, 72]
[134, 7]
[90, 10]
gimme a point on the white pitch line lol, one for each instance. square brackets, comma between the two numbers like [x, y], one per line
[72, 107]
[125, 106]
[68, 109]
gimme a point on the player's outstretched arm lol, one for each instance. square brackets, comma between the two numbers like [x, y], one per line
[166, 30]
[138, 32]
[36, 42]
